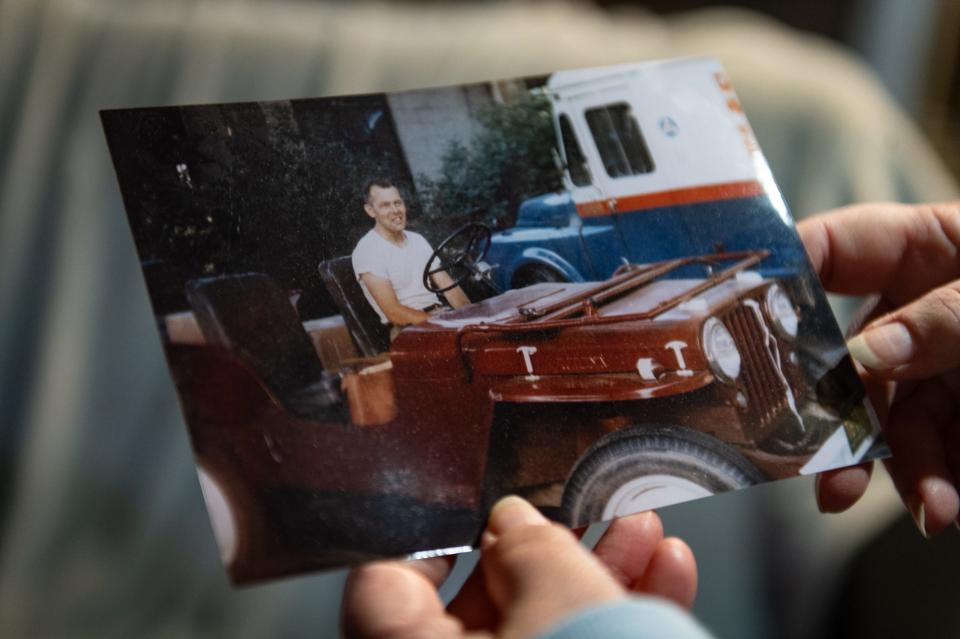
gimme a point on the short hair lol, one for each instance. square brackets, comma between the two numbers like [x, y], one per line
[381, 182]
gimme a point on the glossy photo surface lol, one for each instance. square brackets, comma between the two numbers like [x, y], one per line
[383, 312]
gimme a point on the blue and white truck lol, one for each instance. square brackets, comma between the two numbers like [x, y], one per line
[658, 161]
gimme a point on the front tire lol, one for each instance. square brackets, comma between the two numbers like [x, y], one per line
[642, 468]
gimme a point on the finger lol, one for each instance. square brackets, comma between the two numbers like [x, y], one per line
[628, 545]
[918, 466]
[625, 548]
[473, 606]
[636, 554]
[672, 573]
[396, 600]
[839, 489]
[898, 250]
[920, 340]
[537, 572]
[509, 514]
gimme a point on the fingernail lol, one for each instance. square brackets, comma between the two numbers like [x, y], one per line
[487, 539]
[919, 516]
[883, 347]
[512, 512]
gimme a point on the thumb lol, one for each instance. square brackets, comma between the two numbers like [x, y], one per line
[537, 572]
[920, 340]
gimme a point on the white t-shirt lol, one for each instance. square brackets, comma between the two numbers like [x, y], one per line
[402, 265]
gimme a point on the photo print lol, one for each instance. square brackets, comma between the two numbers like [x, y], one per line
[383, 312]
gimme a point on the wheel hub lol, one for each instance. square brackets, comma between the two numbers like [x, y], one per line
[650, 492]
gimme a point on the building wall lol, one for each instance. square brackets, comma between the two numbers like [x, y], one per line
[428, 120]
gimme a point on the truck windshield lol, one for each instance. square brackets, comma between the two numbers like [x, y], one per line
[619, 141]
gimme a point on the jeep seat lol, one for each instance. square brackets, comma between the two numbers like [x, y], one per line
[370, 334]
[252, 317]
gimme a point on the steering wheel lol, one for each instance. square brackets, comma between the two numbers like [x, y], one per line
[459, 255]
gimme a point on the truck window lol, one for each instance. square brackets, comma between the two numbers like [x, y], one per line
[617, 135]
[576, 161]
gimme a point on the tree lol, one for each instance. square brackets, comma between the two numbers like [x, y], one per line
[508, 162]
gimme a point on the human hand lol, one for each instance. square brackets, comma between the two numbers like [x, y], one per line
[532, 574]
[909, 348]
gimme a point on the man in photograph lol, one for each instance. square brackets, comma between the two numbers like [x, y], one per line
[389, 262]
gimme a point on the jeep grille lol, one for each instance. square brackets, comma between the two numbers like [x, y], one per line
[760, 379]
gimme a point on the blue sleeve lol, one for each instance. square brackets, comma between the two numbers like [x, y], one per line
[631, 618]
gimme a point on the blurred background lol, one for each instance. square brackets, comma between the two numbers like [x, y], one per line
[103, 532]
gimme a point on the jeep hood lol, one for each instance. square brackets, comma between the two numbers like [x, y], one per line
[506, 308]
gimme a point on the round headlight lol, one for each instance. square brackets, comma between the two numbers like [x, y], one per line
[781, 312]
[721, 350]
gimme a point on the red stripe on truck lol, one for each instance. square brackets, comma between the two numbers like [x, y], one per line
[673, 197]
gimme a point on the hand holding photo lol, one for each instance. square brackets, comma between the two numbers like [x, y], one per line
[384, 312]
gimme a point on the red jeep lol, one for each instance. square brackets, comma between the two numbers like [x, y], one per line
[669, 381]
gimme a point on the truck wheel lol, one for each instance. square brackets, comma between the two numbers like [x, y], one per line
[642, 468]
[535, 274]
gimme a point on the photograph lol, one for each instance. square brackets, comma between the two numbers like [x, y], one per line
[383, 312]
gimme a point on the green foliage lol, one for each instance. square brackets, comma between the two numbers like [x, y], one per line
[268, 187]
[508, 162]
[275, 187]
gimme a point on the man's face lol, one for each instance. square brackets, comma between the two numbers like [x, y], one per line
[387, 208]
